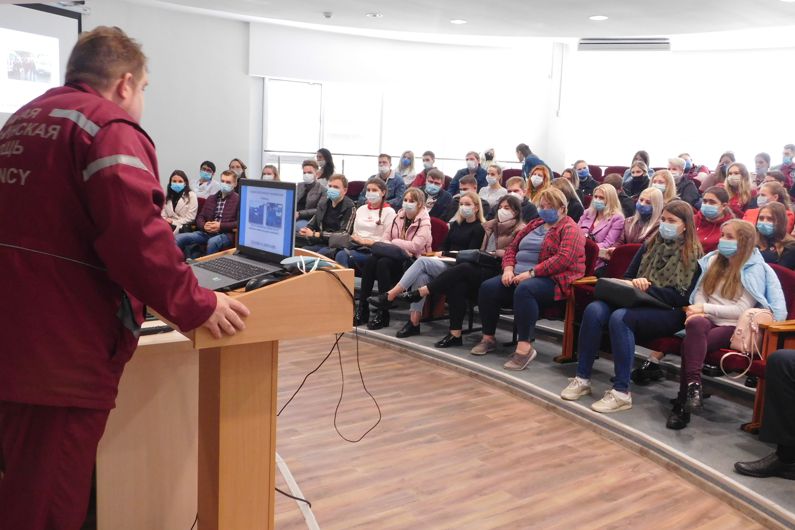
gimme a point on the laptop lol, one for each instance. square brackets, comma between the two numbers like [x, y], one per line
[266, 236]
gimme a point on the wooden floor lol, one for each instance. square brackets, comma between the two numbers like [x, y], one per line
[453, 452]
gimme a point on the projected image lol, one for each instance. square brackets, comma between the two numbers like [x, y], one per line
[266, 214]
[32, 66]
[26, 66]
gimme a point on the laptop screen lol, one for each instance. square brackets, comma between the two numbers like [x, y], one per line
[266, 227]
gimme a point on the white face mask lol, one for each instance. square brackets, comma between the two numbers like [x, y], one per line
[267, 177]
[427, 165]
[410, 207]
[309, 178]
[466, 211]
[536, 180]
[517, 194]
[237, 172]
[504, 215]
[472, 164]
[383, 169]
[373, 197]
[733, 180]
[491, 180]
[321, 164]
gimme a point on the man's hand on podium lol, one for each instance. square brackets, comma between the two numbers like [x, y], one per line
[227, 317]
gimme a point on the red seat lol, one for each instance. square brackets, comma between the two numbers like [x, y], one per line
[596, 172]
[439, 231]
[616, 169]
[447, 181]
[510, 173]
[355, 188]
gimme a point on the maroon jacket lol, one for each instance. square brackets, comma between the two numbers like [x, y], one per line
[79, 185]
[228, 214]
[562, 256]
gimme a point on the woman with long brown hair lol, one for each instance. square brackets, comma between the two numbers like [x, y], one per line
[775, 243]
[733, 278]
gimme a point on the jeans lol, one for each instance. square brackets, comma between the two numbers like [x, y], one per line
[421, 273]
[352, 258]
[702, 337]
[623, 324]
[527, 300]
[214, 243]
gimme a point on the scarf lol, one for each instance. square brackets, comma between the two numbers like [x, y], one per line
[663, 266]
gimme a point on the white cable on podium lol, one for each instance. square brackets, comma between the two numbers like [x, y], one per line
[311, 522]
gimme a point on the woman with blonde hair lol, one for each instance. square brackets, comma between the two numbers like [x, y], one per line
[539, 180]
[603, 221]
[493, 192]
[638, 179]
[646, 220]
[738, 185]
[664, 181]
[574, 208]
[406, 168]
[733, 278]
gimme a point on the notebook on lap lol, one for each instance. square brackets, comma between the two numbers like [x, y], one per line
[266, 236]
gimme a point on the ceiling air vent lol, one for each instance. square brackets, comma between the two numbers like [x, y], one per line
[625, 44]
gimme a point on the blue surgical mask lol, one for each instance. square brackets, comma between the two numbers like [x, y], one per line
[432, 189]
[409, 206]
[227, 188]
[644, 210]
[761, 201]
[787, 160]
[598, 204]
[710, 211]
[333, 193]
[583, 173]
[177, 187]
[765, 228]
[406, 162]
[727, 247]
[668, 231]
[661, 187]
[372, 197]
[549, 215]
[467, 211]
[688, 165]
[204, 175]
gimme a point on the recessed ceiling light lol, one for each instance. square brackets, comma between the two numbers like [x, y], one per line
[458, 21]
[599, 18]
[374, 15]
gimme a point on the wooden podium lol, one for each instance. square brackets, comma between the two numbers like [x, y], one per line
[237, 391]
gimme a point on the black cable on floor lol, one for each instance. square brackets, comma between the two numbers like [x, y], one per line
[293, 497]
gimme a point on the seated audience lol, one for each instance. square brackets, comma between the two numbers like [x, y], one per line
[181, 203]
[646, 220]
[539, 267]
[585, 182]
[603, 222]
[466, 232]
[467, 183]
[237, 167]
[775, 242]
[428, 163]
[719, 175]
[775, 175]
[693, 171]
[714, 212]
[494, 191]
[738, 185]
[461, 282]
[762, 165]
[528, 159]
[664, 181]
[438, 202]
[570, 175]
[639, 157]
[638, 180]
[370, 222]
[205, 186]
[394, 184]
[406, 168]
[410, 235]
[733, 278]
[771, 192]
[309, 193]
[627, 203]
[787, 166]
[325, 163]
[333, 216]
[270, 172]
[540, 179]
[517, 186]
[665, 267]
[778, 426]
[473, 170]
[685, 189]
[574, 208]
[216, 221]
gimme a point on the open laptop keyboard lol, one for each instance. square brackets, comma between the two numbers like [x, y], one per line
[231, 268]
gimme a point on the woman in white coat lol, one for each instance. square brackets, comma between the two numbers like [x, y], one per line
[181, 203]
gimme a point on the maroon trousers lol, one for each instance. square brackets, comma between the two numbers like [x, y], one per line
[47, 457]
[701, 336]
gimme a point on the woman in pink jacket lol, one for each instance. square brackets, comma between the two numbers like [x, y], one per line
[408, 237]
[603, 221]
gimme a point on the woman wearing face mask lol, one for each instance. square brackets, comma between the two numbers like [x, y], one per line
[539, 267]
[603, 221]
[406, 168]
[638, 179]
[539, 180]
[466, 232]
[664, 267]
[664, 181]
[643, 158]
[494, 191]
[410, 231]
[733, 278]
[270, 172]
[761, 167]
[738, 184]
[585, 182]
[685, 189]
[714, 212]
[719, 175]
[570, 175]
[237, 167]
[325, 162]
[775, 243]
[646, 221]
[574, 208]
[181, 203]
[370, 222]
[771, 192]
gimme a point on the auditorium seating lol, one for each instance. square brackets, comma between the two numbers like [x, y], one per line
[596, 172]
[355, 188]
[510, 173]
[447, 181]
[439, 229]
[616, 169]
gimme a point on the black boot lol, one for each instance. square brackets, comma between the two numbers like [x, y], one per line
[678, 418]
[379, 301]
[647, 373]
[410, 296]
[449, 341]
[408, 330]
[693, 399]
[362, 314]
[379, 320]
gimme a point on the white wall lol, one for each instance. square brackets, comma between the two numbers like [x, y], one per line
[201, 103]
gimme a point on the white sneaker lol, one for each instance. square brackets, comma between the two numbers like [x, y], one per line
[613, 402]
[577, 388]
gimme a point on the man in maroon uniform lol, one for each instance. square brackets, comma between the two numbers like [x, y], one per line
[83, 250]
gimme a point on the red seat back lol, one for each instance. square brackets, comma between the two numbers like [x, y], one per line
[439, 229]
[447, 181]
[591, 255]
[200, 201]
[787, 279]
[596, 172]
[355, 187]
[510, 173]
[620, 260]
[616, 169]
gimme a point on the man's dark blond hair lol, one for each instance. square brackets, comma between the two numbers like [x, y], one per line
[102, 56]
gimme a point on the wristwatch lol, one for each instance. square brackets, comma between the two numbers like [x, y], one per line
[532, 273]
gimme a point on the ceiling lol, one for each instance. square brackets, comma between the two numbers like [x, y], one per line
[514, 18]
